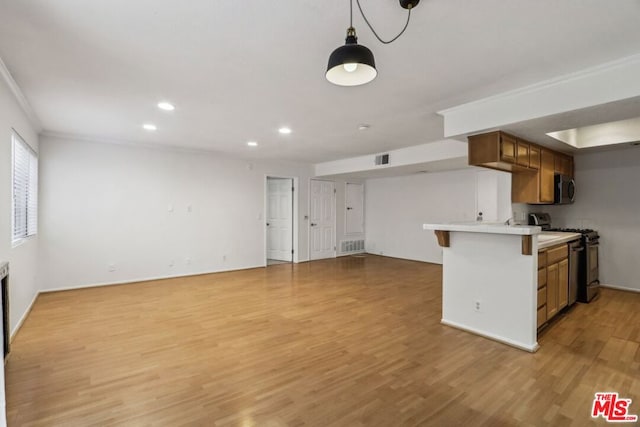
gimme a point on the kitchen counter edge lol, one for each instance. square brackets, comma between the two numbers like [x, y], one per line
[520, 230]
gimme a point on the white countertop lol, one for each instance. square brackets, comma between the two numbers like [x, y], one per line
[485, 227]
[546, 239]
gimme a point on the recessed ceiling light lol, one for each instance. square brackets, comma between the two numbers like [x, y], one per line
[252, 144]
[150, 127]
[284, 130]
[363, 126]
[166, 106]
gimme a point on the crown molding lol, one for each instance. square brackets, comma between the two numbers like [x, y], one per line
[19, 95]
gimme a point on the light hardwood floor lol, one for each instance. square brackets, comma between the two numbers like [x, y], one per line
[346, 342]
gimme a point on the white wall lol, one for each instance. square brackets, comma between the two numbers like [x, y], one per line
[105, 204]
[489, 272]
[608, 200]
[22, 259]
[396, 208]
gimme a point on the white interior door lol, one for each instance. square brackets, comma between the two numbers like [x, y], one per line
[355, 208]
[280, 219]
[322, 220]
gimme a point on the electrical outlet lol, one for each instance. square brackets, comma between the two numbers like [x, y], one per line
[477, 305]
[224, 257]
[111, 268]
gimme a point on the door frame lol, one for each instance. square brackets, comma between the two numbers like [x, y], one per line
[335, 216]
[294, 234]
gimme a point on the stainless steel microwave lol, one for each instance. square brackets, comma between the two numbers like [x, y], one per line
[565, 190]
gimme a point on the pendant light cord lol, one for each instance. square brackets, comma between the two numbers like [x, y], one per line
[351, 14]
[374, 31]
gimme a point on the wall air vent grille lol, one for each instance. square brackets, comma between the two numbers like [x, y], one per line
[382, 159]
[351, 246]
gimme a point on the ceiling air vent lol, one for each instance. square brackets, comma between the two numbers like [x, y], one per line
[382, 159]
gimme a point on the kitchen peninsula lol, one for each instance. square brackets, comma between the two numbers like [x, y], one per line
[490, 279]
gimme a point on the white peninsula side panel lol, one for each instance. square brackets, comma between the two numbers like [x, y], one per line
[489, 285]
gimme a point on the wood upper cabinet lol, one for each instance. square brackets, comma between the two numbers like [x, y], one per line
[507, 148]
[522, 153]
[546, 174]
[563, 164]
[534, 157]
[497, 150]
[563, 284]
[533, 167]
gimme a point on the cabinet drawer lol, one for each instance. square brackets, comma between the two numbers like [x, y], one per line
[542, 315]
[557, 254]
[542, 259]
[542, 296]
[542, 277]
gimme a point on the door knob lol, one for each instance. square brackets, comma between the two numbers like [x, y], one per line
[313, 224]
[349, 209]
[268, 224]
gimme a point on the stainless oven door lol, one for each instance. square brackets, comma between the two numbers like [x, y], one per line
[592, 263]
[574, 269]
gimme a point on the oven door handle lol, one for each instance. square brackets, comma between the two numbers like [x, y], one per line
[580, 249]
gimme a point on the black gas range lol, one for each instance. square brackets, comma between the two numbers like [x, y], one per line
[584, 256]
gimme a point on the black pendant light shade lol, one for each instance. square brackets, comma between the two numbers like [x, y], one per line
[351, 64]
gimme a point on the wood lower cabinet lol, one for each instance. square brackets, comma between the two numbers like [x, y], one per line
[553, 282]
[563, 284]
[552, 290]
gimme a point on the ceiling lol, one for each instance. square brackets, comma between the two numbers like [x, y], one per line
[237, 71]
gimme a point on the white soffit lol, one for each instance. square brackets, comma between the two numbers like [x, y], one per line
[448, 154]
[607, 83]
[619, 132]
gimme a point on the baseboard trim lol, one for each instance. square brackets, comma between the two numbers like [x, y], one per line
[341, 254]
[518, 345]
[621, 288]
[151, 279]
[23, 318]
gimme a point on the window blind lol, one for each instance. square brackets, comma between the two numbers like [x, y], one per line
[25, 190]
